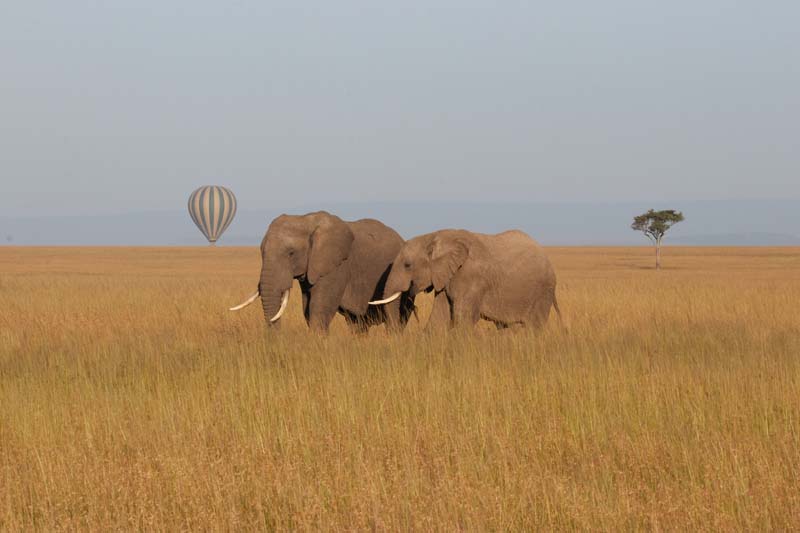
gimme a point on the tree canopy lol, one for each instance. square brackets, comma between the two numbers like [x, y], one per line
[654, 224]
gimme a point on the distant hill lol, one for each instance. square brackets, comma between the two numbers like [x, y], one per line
[739, 239]
[724, 223]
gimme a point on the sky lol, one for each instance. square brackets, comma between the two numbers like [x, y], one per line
[116, 107]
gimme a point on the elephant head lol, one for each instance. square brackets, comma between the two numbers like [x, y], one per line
[426, 263]
[304, 247]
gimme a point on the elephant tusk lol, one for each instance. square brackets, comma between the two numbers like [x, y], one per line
[246, 303]
[284, 301]
[390, 299]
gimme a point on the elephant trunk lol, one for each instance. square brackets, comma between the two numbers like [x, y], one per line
[392, 290]
[395, 286]
[273, 287]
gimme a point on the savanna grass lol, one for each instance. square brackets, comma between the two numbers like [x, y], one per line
[131, 399]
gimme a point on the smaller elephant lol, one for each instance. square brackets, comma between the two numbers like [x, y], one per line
[340, 266]
[505, 278]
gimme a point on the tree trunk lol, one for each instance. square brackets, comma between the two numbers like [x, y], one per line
[658, 254]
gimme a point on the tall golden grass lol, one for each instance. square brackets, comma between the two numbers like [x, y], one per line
[131, 398]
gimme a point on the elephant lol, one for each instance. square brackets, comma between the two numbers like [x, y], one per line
[505, 278]
[340, 267]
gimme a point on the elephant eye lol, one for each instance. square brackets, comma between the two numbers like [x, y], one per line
[290, 252]
[407, 264]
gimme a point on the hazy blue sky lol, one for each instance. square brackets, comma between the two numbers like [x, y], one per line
[107, 107]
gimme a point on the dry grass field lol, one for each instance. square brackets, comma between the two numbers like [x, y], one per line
[130, 398]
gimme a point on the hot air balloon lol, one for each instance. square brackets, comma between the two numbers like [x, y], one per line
[212, 208]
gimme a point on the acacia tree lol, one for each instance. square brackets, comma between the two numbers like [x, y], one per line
[654, 224]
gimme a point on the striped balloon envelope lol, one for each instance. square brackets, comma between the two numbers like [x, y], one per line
[212, 208]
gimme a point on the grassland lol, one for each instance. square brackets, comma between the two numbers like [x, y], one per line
[130, 398]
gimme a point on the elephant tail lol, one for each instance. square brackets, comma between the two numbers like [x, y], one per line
[561, 318]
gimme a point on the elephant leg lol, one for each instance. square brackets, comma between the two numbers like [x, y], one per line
[325, 297]
[441, 314]
[320, 314]
[466, 310]
[539, 313]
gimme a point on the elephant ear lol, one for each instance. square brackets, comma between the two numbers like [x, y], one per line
[331, 241]
[447, 256]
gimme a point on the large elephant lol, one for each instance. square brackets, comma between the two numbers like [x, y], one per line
[340, 267]
[505, 278]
